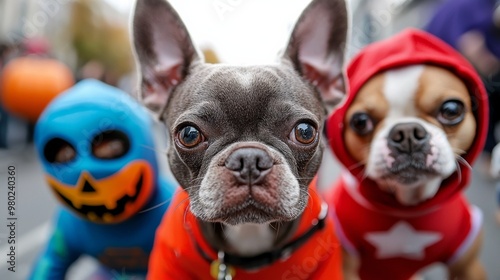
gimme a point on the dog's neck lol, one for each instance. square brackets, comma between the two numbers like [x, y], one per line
[248, 239]
[412, 195]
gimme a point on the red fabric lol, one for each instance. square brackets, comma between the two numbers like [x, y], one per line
[175, 256]
[408, 48]
[452, 220]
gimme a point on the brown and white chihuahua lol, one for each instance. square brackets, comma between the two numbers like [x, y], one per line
[413, 123]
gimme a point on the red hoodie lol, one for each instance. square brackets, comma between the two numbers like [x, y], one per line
[364, 212]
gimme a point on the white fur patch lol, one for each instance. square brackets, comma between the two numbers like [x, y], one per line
[400, 88]
[250, 239]
[245, 78]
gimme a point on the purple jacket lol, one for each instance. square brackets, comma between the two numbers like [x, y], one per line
[456, 17]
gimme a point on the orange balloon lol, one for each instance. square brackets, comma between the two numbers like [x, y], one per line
[28, 84]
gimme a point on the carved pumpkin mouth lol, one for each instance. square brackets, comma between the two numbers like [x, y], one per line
[111, 199]
[101, 212]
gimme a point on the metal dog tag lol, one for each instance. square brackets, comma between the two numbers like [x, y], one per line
[219, 270]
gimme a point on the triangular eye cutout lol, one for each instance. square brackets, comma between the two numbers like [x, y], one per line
[87, 187]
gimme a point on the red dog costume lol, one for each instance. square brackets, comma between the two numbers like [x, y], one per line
[388, 236]
[181, 252]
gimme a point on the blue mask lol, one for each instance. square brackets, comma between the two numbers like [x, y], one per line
[96, 147]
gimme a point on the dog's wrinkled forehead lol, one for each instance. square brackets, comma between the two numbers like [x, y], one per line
[244, 95]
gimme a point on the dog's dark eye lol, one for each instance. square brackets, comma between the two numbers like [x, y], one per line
[189, 137]
[452, 112]
[304, 133]
[361, 123]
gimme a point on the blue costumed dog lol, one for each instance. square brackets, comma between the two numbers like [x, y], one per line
[97, 151]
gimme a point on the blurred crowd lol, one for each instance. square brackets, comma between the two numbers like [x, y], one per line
[88, 37]
[47, 46]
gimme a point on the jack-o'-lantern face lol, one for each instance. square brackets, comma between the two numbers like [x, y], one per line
[97, 150]
[108, 200]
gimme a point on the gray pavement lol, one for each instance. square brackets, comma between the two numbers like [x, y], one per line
[35, 207]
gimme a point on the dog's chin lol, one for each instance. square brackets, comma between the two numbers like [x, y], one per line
[249, 214]
[250, 211]
[410, 186]
[409, 177]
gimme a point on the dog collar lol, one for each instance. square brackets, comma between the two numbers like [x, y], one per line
[222, 268]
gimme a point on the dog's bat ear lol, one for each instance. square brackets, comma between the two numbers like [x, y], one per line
[317, 48]
[164, 51]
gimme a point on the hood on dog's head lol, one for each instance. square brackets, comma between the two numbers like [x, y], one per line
[410, 47]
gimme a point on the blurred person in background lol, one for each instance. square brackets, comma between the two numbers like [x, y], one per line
[379, 19]
[15, 132]
[99, 37]
[7, 122]
[6, 50]
[473, 28]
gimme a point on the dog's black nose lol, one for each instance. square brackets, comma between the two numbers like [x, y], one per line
[408, 137]
[250, 165]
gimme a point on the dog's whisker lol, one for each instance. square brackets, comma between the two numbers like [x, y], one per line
[305, 178]
[365, 174]
[310, 189]
[356, 165]
[185, 211]
[463, 161]
[154, 149]
[190, 188]
[458, 151]
[387, 184]
[182, 202]
[155, 206]
[459, 160]
[306, 192]
[223, 228]
[271, 225]
[276, 230]
[195, 180]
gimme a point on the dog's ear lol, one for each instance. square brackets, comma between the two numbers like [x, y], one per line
[164, 51]
[317, 48]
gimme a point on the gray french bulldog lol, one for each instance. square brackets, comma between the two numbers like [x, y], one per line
[245, 140]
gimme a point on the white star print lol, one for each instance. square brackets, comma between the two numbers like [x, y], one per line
[402, 240]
